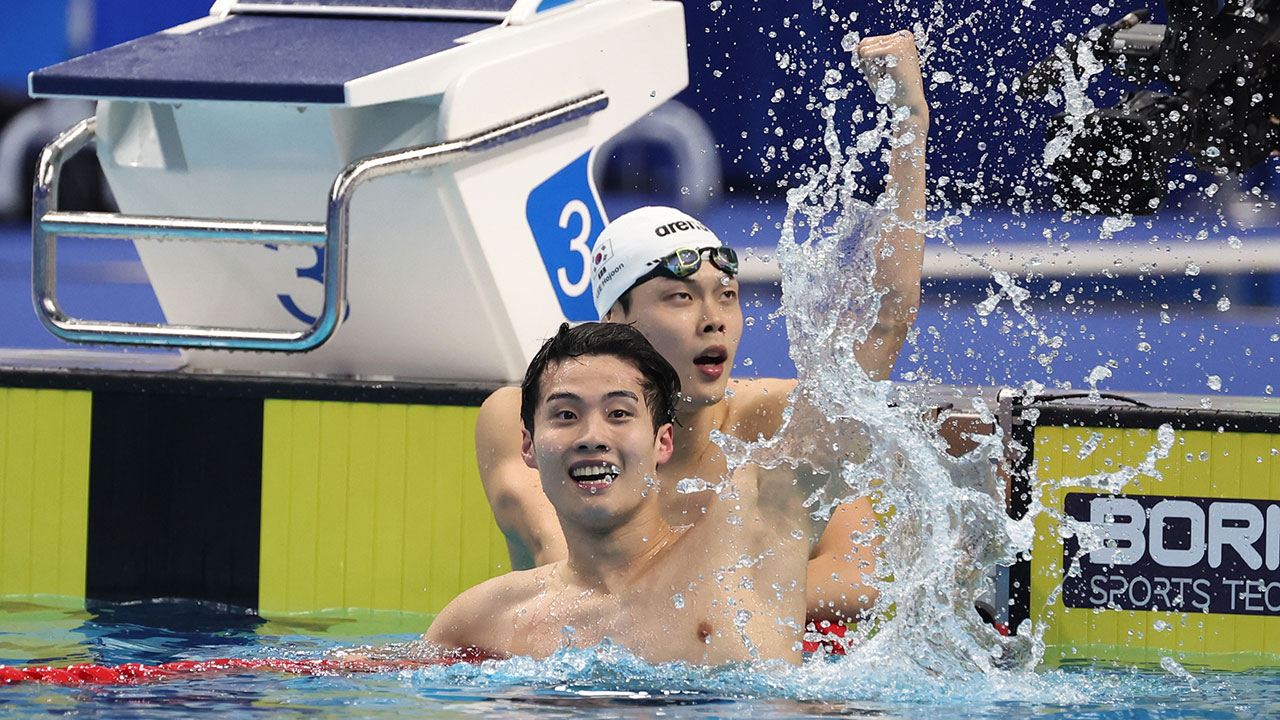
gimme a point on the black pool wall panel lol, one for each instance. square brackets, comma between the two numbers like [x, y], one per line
[174, 498]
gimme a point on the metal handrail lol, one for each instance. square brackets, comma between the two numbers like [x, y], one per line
[49, 223]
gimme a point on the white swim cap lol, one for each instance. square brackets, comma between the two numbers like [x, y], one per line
[632, 245]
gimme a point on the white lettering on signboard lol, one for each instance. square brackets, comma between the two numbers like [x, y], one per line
[1174, 510]
[1240, 538]
[1104, 513]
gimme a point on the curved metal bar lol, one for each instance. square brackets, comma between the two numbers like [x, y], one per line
[420, 158]
[334, 235]
[92, 224]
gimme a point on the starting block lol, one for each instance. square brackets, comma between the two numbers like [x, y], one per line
[361, 188]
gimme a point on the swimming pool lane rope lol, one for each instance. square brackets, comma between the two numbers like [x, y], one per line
[136, 673]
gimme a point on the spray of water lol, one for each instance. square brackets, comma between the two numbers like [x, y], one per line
[944, 523]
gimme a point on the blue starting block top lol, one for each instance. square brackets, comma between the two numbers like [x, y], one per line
[486, 9]
[284, 58]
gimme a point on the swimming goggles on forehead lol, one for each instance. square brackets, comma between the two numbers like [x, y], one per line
[686, 261]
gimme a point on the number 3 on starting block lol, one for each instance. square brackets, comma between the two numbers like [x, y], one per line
[565, 217]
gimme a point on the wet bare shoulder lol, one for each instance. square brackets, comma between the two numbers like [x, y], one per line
[757, 406]
[472, 618]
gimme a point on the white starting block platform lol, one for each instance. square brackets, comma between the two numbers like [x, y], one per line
[417, 172]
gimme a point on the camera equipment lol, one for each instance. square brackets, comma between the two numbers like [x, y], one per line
[1223, 67]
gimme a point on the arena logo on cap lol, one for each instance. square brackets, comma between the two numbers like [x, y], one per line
[678, 226]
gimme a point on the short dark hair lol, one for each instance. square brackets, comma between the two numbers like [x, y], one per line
[660, 382]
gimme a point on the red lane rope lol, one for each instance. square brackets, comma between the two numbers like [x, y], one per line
[826, 635]
[136, 673]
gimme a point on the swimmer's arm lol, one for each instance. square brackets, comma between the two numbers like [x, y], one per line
[825, 446]
[963, 432]
[900, 254]
[842, 563]
[522, 511]
[760, 404]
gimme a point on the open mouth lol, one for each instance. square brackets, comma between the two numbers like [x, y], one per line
[594, 476]
[711, 361]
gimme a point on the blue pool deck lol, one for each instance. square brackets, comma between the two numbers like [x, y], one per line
[1156, 327]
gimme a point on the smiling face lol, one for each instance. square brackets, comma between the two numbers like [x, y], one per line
[594, 443]
[694, 322]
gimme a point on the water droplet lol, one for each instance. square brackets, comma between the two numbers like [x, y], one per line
[1172, 667]
[691, 485]
[1214, 382]
[1224, 304]
[1192, 269]
[1089, 446]
[678, 601]
[885, 88]
[1098, 374]
[1113, 225]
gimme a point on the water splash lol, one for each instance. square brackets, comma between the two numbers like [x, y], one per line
[1074, 98]
[585, 673]
[943, 519]
[1088, 447]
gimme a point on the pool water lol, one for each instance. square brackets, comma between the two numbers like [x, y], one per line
[590, 682]
[929, 657]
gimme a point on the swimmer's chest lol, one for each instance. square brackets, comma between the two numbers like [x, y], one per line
[711, 615]
[724, 498]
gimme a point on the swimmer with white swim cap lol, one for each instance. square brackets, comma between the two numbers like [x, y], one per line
[648, 243]
[673, 279]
